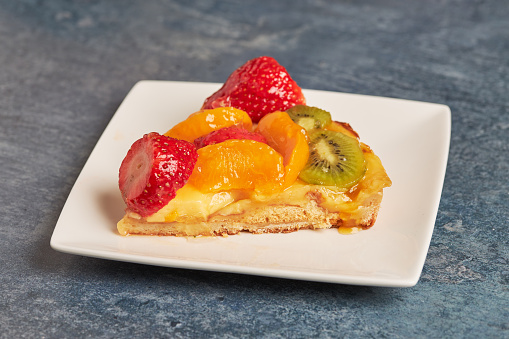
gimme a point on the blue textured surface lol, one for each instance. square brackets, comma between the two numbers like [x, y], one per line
[65, 66]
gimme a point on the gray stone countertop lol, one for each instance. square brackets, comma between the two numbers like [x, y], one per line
[65, 66]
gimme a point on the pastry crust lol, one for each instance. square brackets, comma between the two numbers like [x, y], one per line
[266, 219]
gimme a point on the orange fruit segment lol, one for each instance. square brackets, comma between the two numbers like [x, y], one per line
[288, 139]
[238, 164]
[203, 122]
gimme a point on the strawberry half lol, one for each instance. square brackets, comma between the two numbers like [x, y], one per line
[155, 167]
[223, 134]
[259, 87]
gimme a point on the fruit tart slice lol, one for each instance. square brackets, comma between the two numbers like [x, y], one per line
[270, 164]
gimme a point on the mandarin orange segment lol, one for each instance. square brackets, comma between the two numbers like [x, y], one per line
[287, 138]
[203, 122]
[238, 164]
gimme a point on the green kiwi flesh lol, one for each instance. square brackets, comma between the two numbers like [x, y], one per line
[335, 159]
[309, 117]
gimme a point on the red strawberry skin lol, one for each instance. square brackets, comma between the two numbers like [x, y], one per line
[259, 87]
[223, 134]
[155, 167]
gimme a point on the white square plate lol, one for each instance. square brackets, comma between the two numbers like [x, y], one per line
[412, 139]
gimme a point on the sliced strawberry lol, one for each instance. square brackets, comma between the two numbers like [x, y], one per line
[259, 87]
[154, 168]
[223, 134]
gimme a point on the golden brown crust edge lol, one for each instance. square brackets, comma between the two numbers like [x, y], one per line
[268, 219]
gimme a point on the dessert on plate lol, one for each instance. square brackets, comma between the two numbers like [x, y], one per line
[255, 158]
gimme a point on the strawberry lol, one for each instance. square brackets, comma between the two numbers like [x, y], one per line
[259, 87]
[154, 168]
[223, 134]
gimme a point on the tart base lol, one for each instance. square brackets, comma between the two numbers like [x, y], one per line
[266, 219]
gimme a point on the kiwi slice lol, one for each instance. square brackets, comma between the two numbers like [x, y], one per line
[309, 117]
[335, 159]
